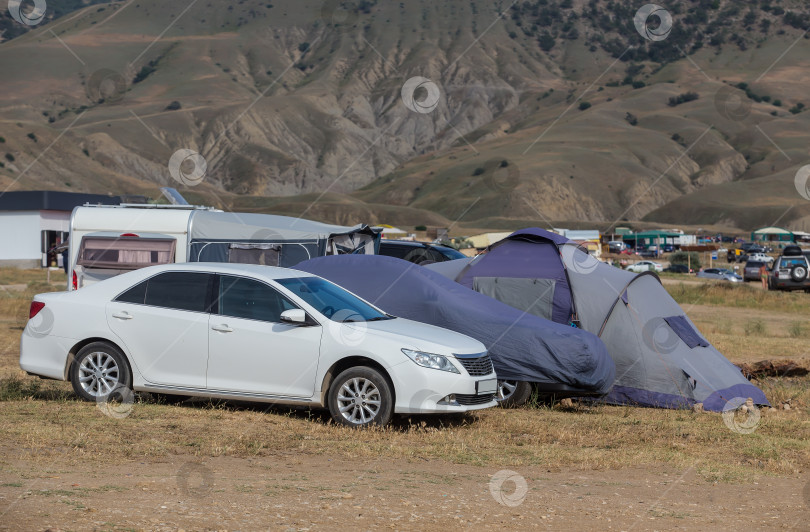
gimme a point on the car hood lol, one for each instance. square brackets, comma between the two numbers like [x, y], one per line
[419, 336]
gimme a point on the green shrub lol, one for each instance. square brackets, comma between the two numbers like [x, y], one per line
[691, 258]
[420, 228]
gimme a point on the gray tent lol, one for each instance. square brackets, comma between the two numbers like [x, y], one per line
[661, 359]
[272, 240]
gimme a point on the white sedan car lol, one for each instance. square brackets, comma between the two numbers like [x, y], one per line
[645, 266]
[253, 333]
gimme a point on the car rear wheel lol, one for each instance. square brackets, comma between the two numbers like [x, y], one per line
[798, 273]
[98, 370]
[512, 394]
[360, 397]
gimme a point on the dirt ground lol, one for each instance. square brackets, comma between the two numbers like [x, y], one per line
[65, 466]
[301, 492]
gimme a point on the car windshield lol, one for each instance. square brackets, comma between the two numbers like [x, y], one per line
[450, 253]
[331, 300]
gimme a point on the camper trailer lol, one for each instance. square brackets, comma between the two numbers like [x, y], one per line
[106, 241]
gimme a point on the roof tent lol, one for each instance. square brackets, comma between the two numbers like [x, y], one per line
[272, 240]
[661, 359]
[559, 359]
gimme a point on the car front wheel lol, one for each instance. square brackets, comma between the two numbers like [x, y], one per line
[99, 369]
[360, 397]
[512, 394]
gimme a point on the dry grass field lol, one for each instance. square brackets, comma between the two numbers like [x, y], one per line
[66, 464]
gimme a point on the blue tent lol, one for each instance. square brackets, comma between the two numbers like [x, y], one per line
[558, 358]
[661, 359]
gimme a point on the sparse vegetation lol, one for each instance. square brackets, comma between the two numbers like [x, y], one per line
[173, 106]
[683, 98]
[584, 105]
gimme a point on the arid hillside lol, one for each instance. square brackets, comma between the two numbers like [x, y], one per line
[553, 111]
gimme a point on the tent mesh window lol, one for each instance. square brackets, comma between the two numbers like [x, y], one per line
[686, 332]
[125, 253]
[264, 254]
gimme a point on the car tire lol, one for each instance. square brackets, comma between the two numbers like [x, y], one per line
[798, 273]
[513, 394]
[99, 369]
[360, 397]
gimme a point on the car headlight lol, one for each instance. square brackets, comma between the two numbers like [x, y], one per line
[429, 360]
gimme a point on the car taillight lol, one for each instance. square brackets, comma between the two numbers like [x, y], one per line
[36, 306]
[75, 281]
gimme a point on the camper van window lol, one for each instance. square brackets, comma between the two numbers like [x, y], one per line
[126, 253]
[265, 254]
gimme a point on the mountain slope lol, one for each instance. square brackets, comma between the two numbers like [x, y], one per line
[556, 110]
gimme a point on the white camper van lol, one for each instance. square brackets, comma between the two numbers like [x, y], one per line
[108, 240]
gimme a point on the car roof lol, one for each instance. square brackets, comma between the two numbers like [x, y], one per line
[272, 272]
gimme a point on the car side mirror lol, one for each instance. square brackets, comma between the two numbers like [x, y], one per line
[295, 315]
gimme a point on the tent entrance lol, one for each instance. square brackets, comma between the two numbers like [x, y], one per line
[533, 296]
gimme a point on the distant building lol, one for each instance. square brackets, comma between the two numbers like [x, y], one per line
[772, 234]
[390, 232]
[484, 240]
[33, 222]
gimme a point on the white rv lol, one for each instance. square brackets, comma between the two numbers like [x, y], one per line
[108, 240]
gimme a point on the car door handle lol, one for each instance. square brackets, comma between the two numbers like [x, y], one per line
[122, 315]
[222, 328]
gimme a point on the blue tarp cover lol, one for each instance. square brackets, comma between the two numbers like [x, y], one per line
[523, 347]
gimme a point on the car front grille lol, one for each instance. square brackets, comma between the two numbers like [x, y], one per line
[473, 400]
[476, 366]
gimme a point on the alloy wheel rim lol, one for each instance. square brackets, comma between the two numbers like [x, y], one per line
[359, 401]
[98, 374]
[506, 389]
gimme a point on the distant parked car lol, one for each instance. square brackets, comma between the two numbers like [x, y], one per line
[252, 333]
[677, 268]
[617, 246]
[721, 274]
[418, 252]
[736, 255]
[645, 265]
[667, 248]
[649, 252]
[751, 271]
[790, 271]
[760, 257]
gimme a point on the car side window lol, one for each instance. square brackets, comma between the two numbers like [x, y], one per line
[178, 290]
[136, 294]
[251, 299]
[394, 250]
